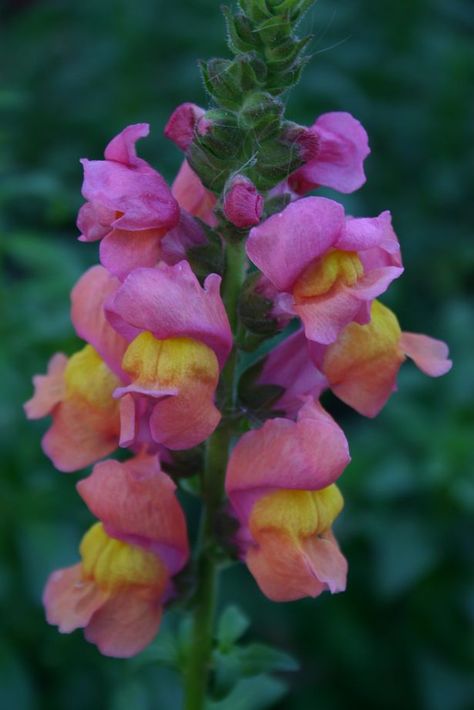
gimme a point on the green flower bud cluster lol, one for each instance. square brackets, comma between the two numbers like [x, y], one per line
[246, 132]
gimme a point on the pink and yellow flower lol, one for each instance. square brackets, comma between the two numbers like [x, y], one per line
[326, 268]
[116, 593]
[179, 337]
[361, 367]
[129, 206]
[280, 482]
[77, 392]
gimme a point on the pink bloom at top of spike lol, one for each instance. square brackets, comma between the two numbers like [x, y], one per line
[327, 267]
[169, 302]
[117, 591]
[192, 196]
[336, 158]
[280, 482]
[129, 206]
[243, 204]
[127, 188]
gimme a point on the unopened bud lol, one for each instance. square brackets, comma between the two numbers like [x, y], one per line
[243, 204]
[182, 124]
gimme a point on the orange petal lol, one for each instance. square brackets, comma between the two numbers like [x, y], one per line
[70, 600]
[126, 623]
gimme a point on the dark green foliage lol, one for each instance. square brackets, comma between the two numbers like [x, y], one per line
[73, 75]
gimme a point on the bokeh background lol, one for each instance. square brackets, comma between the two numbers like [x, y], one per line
[75, 73]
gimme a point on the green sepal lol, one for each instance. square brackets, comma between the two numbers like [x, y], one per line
[256, 10]
[255, 309]
[258, 399]
[223, 137]
[275, 161]
[184, 463]
[212, 171]
[222, 80]
[283, 57]
[226, 80]
[240, 32]
[207, 258]
[278, 82]
[262, 114]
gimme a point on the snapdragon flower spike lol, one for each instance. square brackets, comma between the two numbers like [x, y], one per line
[77, 393]
[117, 592]
[129, 206]
[327, 268]
[335, 157]
[179, 337]
[280, 482]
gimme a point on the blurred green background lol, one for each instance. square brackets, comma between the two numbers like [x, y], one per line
[75, 73]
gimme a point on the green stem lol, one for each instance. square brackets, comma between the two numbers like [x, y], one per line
[217, 449]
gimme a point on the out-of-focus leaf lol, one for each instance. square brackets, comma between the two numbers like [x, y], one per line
[251, 694]
[233, 623]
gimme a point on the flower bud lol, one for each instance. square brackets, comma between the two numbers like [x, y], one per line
[182, 123]
[243, 205]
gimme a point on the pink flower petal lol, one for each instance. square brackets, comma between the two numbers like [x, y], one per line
[307, 455]
[122, 251]
[79, 436]
[126, 623]
[122, 148]
[169, 302]
[49, 389]
[289, 365]
[181, 124]
[339, 163]
[282, 569]
[136, 502]
[88, 316]
[183, 422]
[287, 242]
[192, 196]
[70, 600]
[430, 355]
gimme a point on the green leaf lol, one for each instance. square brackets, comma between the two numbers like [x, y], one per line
[258, 658]
[232, 625]
[163, 650]
[251, 694]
